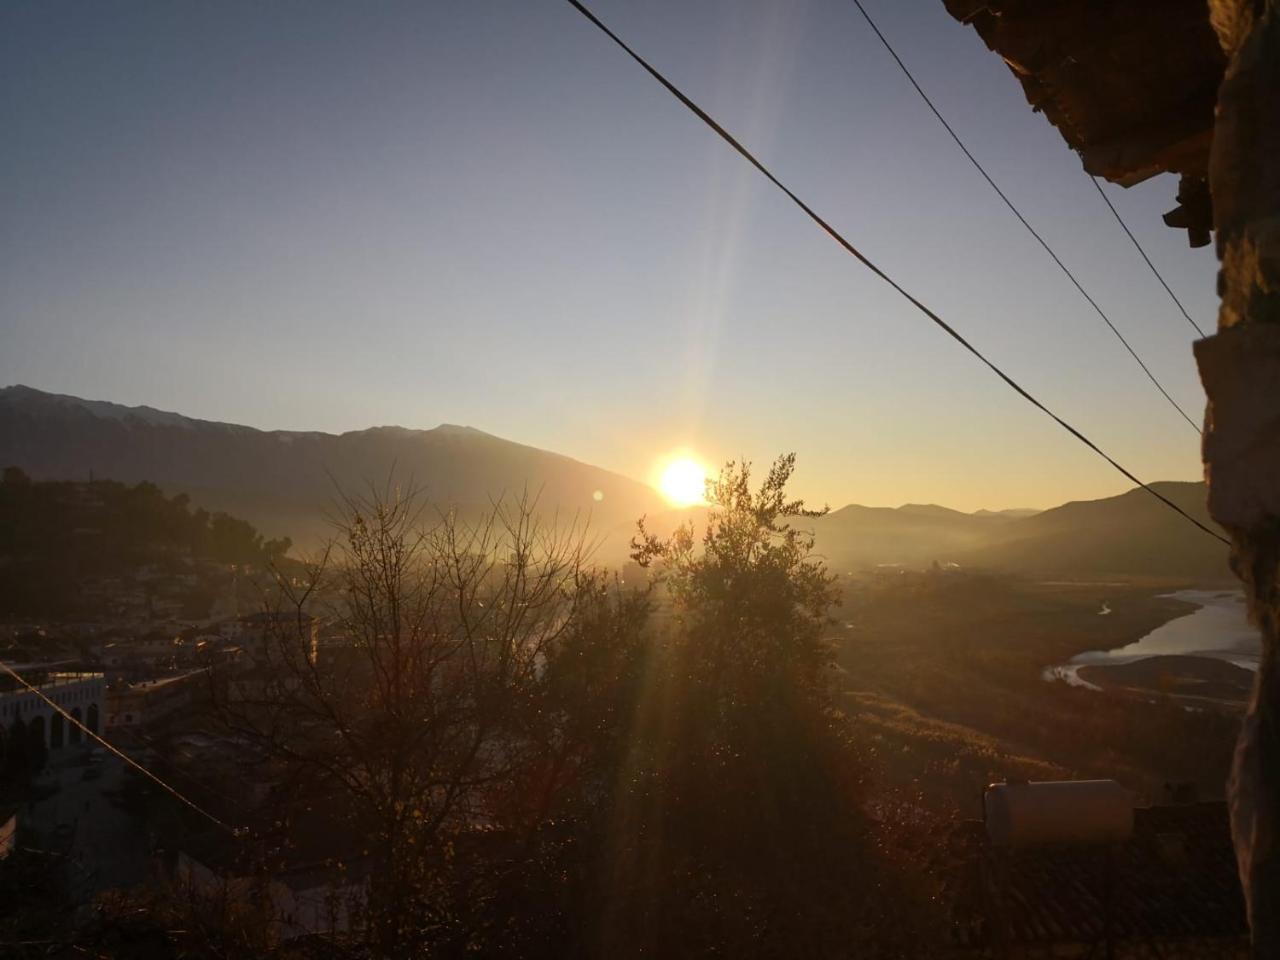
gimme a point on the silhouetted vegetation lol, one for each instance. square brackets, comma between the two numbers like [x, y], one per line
[464, 721]
[55, 534]
[503, 751]
[741, 829]
[535, 761]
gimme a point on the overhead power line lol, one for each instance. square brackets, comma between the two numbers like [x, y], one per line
[1129, 233]
[234, 831]
[862, 258]
[1023, 220]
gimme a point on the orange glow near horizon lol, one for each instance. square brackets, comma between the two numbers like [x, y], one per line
[683, 481]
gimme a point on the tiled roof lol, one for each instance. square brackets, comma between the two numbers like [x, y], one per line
[1175, 879]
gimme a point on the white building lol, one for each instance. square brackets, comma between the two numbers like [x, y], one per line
[80, 694]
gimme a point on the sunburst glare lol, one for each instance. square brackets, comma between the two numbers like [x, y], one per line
[684, 482]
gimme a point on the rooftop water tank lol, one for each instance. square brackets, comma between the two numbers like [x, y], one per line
[1064, 811]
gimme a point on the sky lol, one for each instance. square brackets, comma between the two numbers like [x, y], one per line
[329, 216]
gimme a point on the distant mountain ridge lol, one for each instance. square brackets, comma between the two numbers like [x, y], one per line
[1015, 513]
[911, 535]
[1129, 535]
[283, 482]
[21, 398]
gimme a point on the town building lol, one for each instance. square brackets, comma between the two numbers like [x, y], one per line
[1168, 889]
[135, 704]
[24, 713]
[261, 634]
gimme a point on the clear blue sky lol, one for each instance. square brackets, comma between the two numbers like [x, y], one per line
[312, 215]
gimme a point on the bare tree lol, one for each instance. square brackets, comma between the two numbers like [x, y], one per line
[420, 708]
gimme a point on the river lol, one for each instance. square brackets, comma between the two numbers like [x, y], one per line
[1218, 628]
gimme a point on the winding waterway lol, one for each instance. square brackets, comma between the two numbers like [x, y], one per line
[1218, 629]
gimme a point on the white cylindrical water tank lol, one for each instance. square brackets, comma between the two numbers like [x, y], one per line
[1064, 811]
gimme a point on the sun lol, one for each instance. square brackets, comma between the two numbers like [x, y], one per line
[684, 482]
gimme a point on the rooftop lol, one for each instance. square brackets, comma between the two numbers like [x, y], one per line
[44, 676]
[1174, 879]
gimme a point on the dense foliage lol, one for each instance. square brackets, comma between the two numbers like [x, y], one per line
[538, 762]
[55, 534]
[741, 830]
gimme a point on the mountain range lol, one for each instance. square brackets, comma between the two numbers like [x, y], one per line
[1126, 536]
[285, 482]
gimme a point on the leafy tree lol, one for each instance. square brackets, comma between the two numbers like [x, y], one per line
[751, 606]
[275, 549]
[747, 645]
[740, 831]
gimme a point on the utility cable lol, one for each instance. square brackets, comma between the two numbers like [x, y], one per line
[861, 258]
[1125, 227]
[1026, 223]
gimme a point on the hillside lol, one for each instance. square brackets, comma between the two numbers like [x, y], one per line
[912, 535]
[283, 482]
[67, 549]
[1126, 535]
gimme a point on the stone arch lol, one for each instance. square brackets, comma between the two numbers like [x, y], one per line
[19, 755]
[37, 743]
[75, 727]
[57, 731]
[35, 732]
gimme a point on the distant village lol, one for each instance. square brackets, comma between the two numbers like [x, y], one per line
[140, 676]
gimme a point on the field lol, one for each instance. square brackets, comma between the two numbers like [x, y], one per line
[1193, 680]
[943, 670]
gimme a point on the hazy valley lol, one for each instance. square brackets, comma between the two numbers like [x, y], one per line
[140, 543]
[285, 484]
[948, 620]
